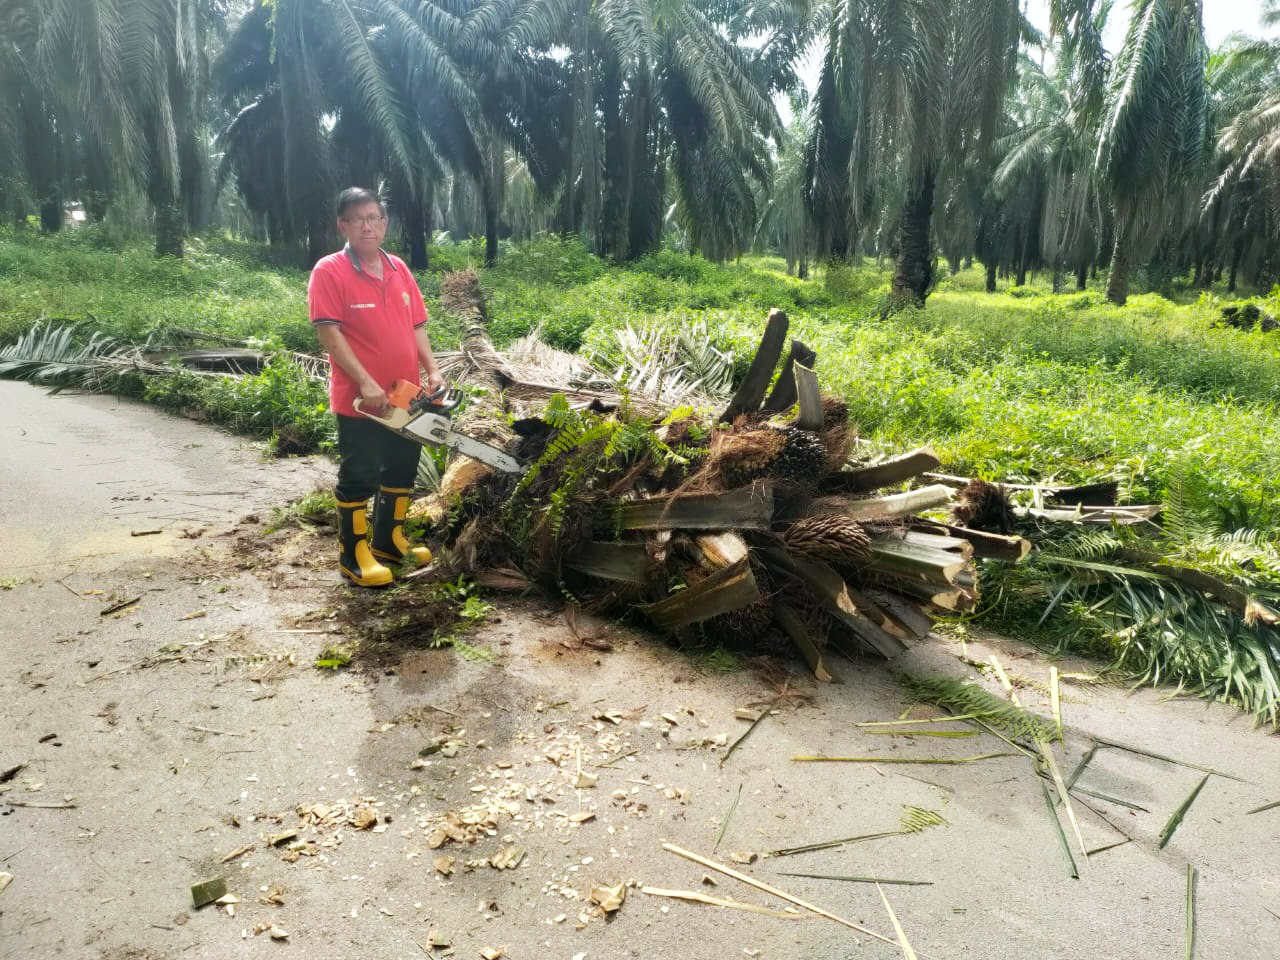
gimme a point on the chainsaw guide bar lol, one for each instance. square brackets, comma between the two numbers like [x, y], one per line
[424, 419]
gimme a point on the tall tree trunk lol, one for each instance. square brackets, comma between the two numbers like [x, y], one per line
[417, 228]
[991, 278]
[1082, 277]
[913, 273]
[1237, 251]
[170, 229]
[317, 237]
[490, 231]
[51, 213]
[1022, 273]
[1057, 277]
[1118, 281]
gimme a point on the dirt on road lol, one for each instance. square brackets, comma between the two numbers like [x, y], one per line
[163, 724]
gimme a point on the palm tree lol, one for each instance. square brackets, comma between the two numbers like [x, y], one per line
[330, 92]
[1241, 215]
[664, 88]
[132, 109]
[1153, 138]
[313, 107]
[1044, 179]
[786, 224]
[910, 93]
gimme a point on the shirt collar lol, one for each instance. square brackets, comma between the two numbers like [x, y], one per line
[355, 260]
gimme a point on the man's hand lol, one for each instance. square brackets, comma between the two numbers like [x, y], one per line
[434, 381]
[373, 399]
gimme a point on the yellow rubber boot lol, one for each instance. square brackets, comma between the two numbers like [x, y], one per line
[389, 542]
[355, 560]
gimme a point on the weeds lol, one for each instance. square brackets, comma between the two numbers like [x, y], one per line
[333, 658]
[315, 509]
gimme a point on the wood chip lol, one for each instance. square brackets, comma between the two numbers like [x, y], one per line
[609, 898]
[239, 851]
[208, 891]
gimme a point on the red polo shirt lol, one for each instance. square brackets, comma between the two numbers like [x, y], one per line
[378, 317]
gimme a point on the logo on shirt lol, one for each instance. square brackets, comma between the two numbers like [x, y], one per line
[405, 294]
[361, 306]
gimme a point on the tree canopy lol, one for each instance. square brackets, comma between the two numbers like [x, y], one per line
[934, 131]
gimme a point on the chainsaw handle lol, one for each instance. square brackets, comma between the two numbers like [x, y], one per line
[443, 401]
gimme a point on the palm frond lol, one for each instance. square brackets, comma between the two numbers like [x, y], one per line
[52, 354]
[979, 703]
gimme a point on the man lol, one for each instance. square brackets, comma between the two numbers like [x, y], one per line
[369, 315]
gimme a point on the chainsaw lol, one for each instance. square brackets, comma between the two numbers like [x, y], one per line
[424, 418]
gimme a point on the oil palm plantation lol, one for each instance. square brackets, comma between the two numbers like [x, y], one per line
[130, 113]
[1044, 182]
[663, 88]
[327, 93]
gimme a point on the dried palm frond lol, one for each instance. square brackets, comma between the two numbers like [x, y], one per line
[679, 366]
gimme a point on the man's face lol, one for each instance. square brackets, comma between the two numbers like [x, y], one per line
[363, 227]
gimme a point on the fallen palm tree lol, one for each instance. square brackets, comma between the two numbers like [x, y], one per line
[745, 523]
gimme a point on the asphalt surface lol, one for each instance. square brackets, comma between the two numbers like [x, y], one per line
[189, 724]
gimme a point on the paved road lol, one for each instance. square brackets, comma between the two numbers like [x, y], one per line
[190, 725]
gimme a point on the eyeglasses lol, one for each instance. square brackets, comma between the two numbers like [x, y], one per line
[365, 221]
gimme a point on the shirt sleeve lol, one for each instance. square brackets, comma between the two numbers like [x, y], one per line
[417, 308]
[324, 301]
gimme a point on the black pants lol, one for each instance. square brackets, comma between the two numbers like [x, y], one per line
[371, 455]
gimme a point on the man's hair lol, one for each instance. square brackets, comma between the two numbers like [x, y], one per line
[356, 197]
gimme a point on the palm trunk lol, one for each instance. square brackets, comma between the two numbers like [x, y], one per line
[1236, 253]
[1118, 281]
[1082, 277]
[169, 229]
[490, 232]
[51, 214]
[417, 228]
[913, 274]
[991, 278]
